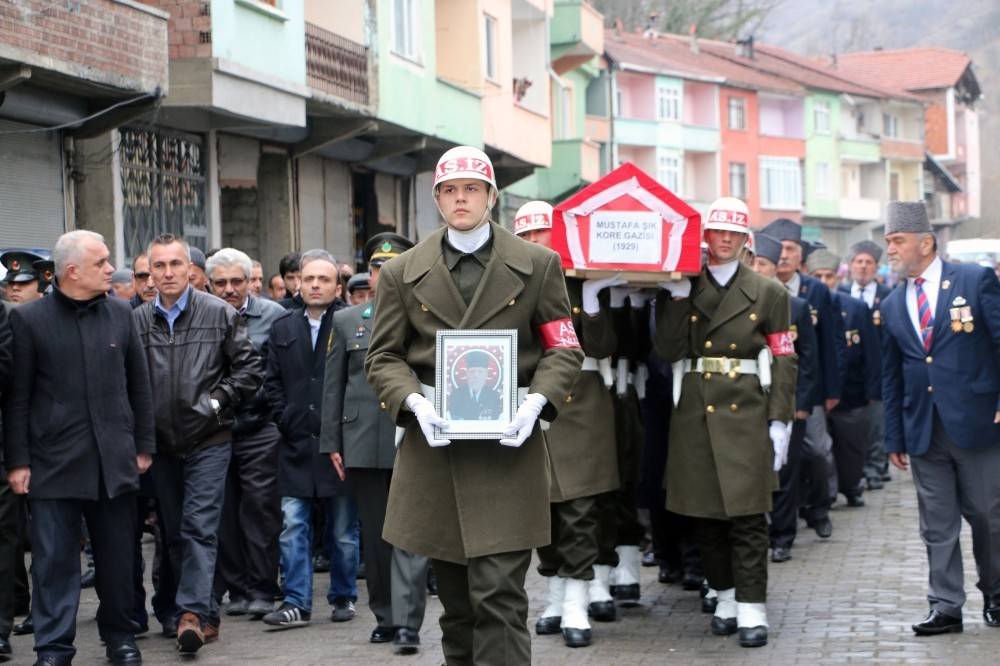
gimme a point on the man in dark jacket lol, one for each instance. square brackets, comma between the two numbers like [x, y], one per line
[296, 364]
[202, 366]
[9, 508]
[290, 269]
[251, 515]
[79, 431]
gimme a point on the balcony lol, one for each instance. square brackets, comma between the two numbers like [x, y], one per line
[903, 149]
[860, 209]
[636, 132]
[597, 128]
[700, 139]
[862, 151]
[577, 31]
[337, 66]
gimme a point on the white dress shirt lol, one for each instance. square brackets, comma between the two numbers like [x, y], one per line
[723, 273]
[866, 293]
[793, 284]
[314, 325]
[932, 275]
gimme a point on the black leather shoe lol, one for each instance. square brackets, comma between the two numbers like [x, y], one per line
[781, 554]
[546, 626]
[5, 649]
[53, 660]
[667, 576]
[855, 501]
[751, 637]
[723, 627]
[823, 527]
[938, 623]
[691, 582]
[407, 640]
[321, 563]
[124, 653]
[168, 628]
[708, 604]
[627, 594]
[602, 611]
[991, 610]
[382, 634]
[87, 578]
[649, 559]
[575, 638]
[24, 628]
[875, 483]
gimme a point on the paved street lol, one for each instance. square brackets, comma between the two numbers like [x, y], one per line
[850, 599]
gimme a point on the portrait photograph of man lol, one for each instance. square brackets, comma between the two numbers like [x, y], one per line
[476, 398]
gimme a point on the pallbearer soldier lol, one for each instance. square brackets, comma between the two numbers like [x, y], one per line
[818, 472]
[582, 457]
[477, 508]
[360, 439]
[849, 420]
[727, 334]
[785, 513]
[863, 259]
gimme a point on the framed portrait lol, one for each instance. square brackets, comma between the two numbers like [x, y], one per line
[476, 382]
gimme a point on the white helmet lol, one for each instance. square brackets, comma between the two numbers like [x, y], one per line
[533, 216]
[464, 162]
[728, 214]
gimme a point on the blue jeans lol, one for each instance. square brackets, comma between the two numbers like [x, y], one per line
[296, 549]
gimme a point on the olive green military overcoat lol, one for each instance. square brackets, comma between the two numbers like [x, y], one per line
[582, 440]
[474, 497]
[720, 463]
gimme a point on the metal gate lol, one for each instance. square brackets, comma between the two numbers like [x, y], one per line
[32, 208]
[163, 186]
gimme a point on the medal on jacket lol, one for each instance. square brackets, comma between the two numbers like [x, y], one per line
[877, 317]
[360, 333]
[793, 332]
[815, 315]
[968, 324]
[956, 319]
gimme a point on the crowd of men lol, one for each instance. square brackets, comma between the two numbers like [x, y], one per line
[264, 431]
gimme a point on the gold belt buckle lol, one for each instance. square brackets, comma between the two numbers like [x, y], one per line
[715, 364]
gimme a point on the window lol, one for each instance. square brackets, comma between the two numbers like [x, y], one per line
[668, 172]
[564, 128]
[738, 180]
[737, 114]
[619, 103]
[490, 43]
[821, 118]
[780, 183]
[668, 103]
[822, 187]
[406, 28]
[890, 126]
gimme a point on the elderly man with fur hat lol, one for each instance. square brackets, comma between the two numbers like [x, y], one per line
[941, 393]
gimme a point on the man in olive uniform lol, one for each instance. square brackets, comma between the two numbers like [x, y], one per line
[582, 458]
[22, 278]
[360, 439]
[729, 431]
[477, 508]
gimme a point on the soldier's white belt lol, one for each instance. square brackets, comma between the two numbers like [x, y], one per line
[761, 367]
[590, 364]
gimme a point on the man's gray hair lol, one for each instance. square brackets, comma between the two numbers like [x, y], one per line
[69, 247]
[229, 256]
[317, 255]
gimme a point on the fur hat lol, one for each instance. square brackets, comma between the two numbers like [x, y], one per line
[907, 217]
[822, 260]
[865, 247]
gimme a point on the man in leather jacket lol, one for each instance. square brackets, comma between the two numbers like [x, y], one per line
[251, 514]
[202, 366]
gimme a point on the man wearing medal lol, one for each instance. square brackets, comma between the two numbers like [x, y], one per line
[941, 393]
[476, 507]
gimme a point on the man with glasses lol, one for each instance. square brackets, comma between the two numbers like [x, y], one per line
[145, 290]
[251, 514]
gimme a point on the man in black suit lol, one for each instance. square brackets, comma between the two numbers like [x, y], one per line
[9, 510]
[474, 401]
[78, 432]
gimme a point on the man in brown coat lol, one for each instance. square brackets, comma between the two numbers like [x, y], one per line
[729, 431]
[477, 507]
[582, 457]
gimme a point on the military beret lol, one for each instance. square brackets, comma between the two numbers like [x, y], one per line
[908, 217]
[359, 281]
[382, 247]
[865, 247]
[784, 229]
[822, 259]
[767, 247]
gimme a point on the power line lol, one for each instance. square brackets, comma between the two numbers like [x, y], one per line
[76, 123]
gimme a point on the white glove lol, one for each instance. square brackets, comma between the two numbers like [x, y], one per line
[428, 418]
[619, 294]
[678, 289]
[779, 439]
[524, 420]
[640, 297]
[591, 288]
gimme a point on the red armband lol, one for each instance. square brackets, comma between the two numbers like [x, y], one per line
[559, 334]
[781, 343]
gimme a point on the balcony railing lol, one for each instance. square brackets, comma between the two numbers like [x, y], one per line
[336, 65]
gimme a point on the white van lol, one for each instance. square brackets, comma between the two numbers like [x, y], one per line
[982, 251]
